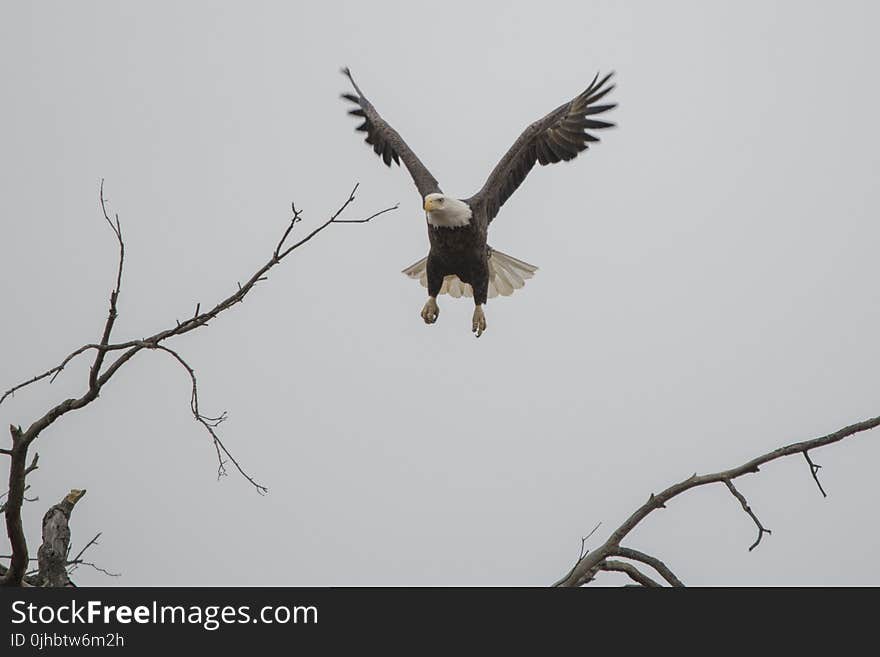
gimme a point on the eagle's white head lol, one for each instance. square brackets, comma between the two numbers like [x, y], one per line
[446, 211]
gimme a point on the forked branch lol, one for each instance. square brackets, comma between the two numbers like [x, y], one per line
[100, 373]
[590, 563]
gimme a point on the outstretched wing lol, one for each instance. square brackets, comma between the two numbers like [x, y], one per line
[387, 143]
[560, 135]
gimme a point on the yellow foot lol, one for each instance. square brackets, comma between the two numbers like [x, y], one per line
[479, 323]
[431, 311]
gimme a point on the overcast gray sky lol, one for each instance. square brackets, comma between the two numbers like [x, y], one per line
[707, 291]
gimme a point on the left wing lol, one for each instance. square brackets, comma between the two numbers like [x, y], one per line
[560, 135]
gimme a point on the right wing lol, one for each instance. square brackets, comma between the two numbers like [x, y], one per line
[387, 143]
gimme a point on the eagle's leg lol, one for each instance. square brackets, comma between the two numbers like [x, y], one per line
[478, 325]
[481, 291]
[431, 311]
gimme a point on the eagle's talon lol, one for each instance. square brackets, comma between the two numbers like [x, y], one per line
[431, 311]
[479, 322]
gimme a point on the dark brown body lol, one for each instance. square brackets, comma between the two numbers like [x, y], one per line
[461, 251]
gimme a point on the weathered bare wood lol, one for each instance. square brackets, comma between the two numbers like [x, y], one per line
[634, 573]
[52, 555]
[647, 559]
[14, 530]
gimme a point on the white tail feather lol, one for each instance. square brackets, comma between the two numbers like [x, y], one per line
[506, 274]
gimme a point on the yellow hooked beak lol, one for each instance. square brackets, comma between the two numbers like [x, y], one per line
[430, 204]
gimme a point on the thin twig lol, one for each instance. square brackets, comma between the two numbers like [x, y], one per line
[75, 564]
[26, 499]
[370, 218]
[33, 466]
[586, 538]
[112, 314]
[745, 505]
[814, 470]
[94, 541]
[583, 550]
[210, 423]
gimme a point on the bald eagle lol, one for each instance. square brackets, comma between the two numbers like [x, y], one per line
[460, 262]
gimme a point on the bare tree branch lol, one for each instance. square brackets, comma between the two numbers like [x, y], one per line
[814, 470]
[198, 319]
[647, 559]
[28, 579]
[33, 466]
[634, 573]
[745, 505]
[587, 566]
[94, 541]
[72, 564]
[584, 539]
[76, 564]
[77, 561]
[17, 473]
[100, 374]
[26, 499]
[211, 424]
[112, 314]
